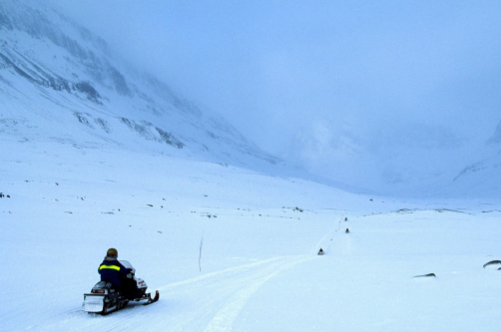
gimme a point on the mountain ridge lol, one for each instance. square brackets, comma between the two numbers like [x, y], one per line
[62, 67]
[61, 82]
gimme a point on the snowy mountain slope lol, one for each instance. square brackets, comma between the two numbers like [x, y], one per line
[81, 94]
[58, 71]
[390, 162]
[481, 178]
[495, 139]
[417, 159]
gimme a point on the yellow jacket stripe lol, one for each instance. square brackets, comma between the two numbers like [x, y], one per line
[111, 267]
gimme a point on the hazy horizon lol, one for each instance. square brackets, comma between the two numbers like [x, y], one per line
[362, 72]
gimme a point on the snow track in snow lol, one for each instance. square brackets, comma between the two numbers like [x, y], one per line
[210, 302]
[224, 318]
[219, 297]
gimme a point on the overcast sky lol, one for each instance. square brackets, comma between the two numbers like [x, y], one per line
[272, 67]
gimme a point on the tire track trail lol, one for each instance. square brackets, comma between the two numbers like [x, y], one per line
[213, 301]
[226, 315]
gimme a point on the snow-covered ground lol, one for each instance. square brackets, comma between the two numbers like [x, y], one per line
[94, 156]
[233, 250]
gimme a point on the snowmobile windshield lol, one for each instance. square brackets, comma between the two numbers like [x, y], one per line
[128, 265]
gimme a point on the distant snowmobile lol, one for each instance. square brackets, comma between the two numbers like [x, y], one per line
[104, 299]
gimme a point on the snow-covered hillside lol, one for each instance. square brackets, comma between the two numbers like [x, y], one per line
[482, 177]
[417, 159]
[64, 76]
[61, 83]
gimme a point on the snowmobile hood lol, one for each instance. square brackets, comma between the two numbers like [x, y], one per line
[128, 265]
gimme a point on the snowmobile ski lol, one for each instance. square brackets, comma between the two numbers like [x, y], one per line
[154, 299]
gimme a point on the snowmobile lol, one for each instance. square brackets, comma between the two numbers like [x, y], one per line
[104, 298]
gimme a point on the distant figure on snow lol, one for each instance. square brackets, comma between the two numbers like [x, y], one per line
[320, 252]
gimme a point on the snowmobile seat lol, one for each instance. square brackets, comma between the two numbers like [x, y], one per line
[103, 285]
[106, 285]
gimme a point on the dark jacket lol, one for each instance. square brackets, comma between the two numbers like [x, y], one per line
[111, 270]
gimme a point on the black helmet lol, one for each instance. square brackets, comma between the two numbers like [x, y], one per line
[112, 252]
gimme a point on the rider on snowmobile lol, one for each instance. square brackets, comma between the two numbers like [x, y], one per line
[117, 287]
[111, 270]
